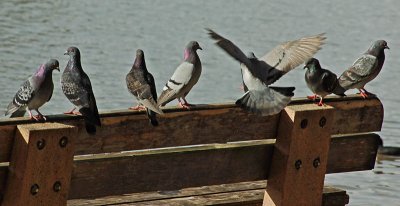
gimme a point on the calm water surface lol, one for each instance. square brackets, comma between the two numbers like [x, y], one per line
[109, 32]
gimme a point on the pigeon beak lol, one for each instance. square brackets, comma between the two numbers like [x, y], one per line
[66, 53]
[58, 69]
[305, 66]
[386, 47]
[200, 48]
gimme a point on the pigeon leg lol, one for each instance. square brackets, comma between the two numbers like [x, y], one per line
[33, 117]
[320, 103]
[184, 105]
[363, 93]
[30, 114]
[313, 97]
[367, 92]
[40, 115]
[137, 107]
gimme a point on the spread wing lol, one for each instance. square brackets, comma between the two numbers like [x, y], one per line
[289, 55]
[230, 48]
[359, 71]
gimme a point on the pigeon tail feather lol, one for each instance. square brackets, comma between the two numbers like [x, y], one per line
[19, 113]
[152, 117]
[265, 102]
[90, 128]
[152, 105]
[339, 90]
[92, 119]
[11, 108]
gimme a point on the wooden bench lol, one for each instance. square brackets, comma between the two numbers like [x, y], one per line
[209, 155]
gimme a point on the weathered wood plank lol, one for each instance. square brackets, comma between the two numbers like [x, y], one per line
[130, 130]
[41, 165]
[300, 157]
[162, 195]
[361, 148]
[243, 193]
[170, 168]
[190, 166]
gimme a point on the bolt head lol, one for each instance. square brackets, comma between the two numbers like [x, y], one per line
[297, 164]
[303, 123]
[63, 141]
[316, 162]
[57, 186]
[34, 189]
[322, 122]
[40, 144]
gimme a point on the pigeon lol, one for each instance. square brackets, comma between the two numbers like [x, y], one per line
[364, 69]
[78, 89]
[34, 92]
[321, 82]
[141, 84]
[184, 78]
[259, 73]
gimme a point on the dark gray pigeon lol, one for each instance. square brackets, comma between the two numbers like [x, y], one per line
[141, 84]
[34, 92]
[321, 82]
[184, 78]
[258, 73]
[364, 69]
[78, 89]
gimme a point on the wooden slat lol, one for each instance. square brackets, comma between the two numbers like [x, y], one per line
[361, 150]
[175, 168]
[162, 195]
[243, 194]
[170, 168]
[130, 130]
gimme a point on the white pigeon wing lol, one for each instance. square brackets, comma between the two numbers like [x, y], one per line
[288, 55]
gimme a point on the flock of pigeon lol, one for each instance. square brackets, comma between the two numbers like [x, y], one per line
[257, 75]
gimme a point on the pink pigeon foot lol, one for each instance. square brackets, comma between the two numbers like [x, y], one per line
[72, 111]
[184, 105]
[313, 97]
[364, 93]
[137, 108]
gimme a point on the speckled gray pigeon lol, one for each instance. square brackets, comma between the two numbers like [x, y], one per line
[258, 73]
[78, 89]
[321, 82]
[141, 84]
[34, 92]
[364, 69]
[184, 78]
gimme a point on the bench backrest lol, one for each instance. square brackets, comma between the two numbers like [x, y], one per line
[209, 144]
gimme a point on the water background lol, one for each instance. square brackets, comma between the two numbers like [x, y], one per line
[109, 32]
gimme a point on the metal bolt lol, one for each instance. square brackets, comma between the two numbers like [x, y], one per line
[303, 123]
[322, 122]
[297, 164]
[34, 189]
[40, 144]
[316, 162]
[63, 141]
[57, 186]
